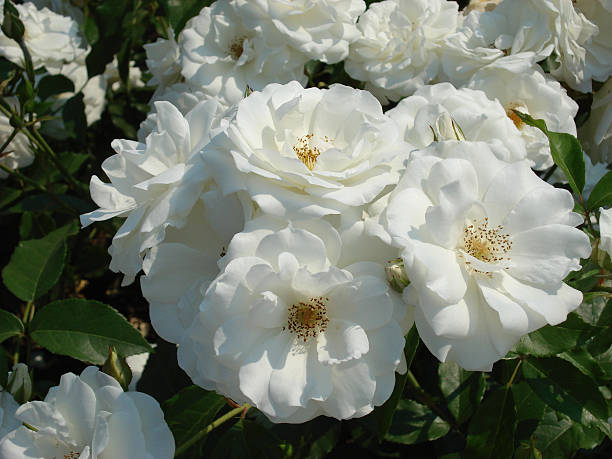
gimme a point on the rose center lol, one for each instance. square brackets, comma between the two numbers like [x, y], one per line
[236, 48]
[307, 150]
[518, 122]
[308, 318]
[486, 244]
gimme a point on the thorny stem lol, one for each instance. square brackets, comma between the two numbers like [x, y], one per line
[216, 423]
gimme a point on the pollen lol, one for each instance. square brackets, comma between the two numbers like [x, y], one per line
[308, 318]
[236, 48]
[306, 152]
[513, 116]
[487, 244]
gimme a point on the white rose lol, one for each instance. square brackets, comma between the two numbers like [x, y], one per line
[8, 407]
[485, 37]
[163, 62]
[18, 153]
[420, 115]
[184, 97]
[63, 7]
[596, 134]
[322, 29]
[287, 331]
[605, 230]
[179, 269]
[519, 86]
[222, 55]
[111, 75]
[487, 245]
[154, 184]
[52, 39]
[399, 48]
[310, 151]
[599, 49]
[90, 416]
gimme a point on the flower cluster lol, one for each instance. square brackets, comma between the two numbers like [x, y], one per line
[264, 214]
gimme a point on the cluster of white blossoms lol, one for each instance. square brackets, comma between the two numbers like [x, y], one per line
[86, 416]
[268, 218]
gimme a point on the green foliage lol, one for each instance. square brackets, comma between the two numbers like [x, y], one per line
[10, 325]
[179, 11]
[51, 85]
[37, 264]
[462, 389]
[566, 153]
[190, 411]
[415, 423]
[3, 370]
[492, 429]
[84, 330]
[601, 195]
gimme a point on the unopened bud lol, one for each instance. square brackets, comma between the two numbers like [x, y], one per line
[247, 92]
[117, 367]
[396, 275]
[19, 383]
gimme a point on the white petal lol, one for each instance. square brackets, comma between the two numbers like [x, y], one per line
[342, 341]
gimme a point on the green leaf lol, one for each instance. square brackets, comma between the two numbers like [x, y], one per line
[601, 195]
[463, 390]
[84, 330]
[12, 26]
[529, 409]
[73, 115]
[415, 423]
[491, 430]
[72, 161]
[566, 153]
[558, 437]
[36, 265]
[260, 441]
[179, 11]
[190, 411]
[381, 418]
[54, 84]
[584, 361]
[8, 195]
[550, 340]
[564, 388]
[591, 311]
[10, 325]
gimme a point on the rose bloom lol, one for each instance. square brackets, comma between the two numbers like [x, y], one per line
[605, 230]
[422, 116]
[525, 88]
[8, 407]
[90, 416]
[321, 29]
[163, 58]
[51, 39]
[154, 184]
[222, 55]
[596, 134]
[599, 49]
[399, 48]
[286, 329]
[486, 245]
[308, 151]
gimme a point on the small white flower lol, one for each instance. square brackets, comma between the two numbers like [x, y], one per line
[8, 407]
[423, 115]
[519, 86]
[486, 246]
[221, 55]
[154, 184]
[310, 151]
[52, 39]
[321, 29]
[18, 153]
[111, 75]
[605, 230]
[399, 48]
[90, 416]
[284, 329]
[596, 134]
